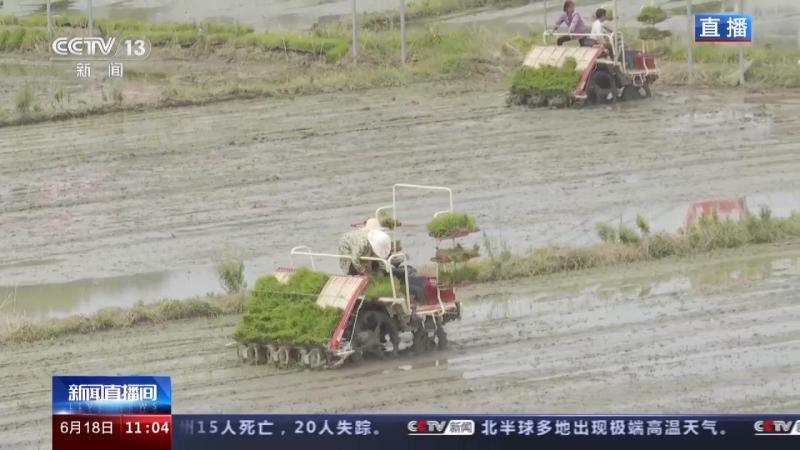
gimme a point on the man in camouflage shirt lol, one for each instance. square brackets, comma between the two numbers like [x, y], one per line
[368, 241]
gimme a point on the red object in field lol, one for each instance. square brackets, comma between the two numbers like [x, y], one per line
[644, 61]
[726, 208]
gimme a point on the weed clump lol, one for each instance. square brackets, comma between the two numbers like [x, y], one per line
[231, 275]
[451, 224]
[287, 312]
[606, 232]
[642, 224]
[627, 235]
[24, 99]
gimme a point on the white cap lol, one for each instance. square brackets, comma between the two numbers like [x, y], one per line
[380, 242]
[372, 224]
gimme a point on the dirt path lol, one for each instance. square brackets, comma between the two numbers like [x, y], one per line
[714, 334]
[125, 194]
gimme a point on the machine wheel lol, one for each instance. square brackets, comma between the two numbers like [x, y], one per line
[602, 88]
[645, 91]
[441, 336]
[422, 342]
[316, 358]
[631, 92]
[251, 354]
[262, 354]
[372, 329]
[241, 353]
[284, 357]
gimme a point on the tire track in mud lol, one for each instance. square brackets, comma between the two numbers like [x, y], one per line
[162, 190]
[703, 334]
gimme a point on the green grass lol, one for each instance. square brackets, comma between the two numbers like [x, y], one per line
[287, 312]
[13, 38]
[451, 224]
[772, 65]
[332, 48]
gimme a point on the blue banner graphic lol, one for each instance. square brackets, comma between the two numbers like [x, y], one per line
[460, 432]
[112, 395]
[723, 28]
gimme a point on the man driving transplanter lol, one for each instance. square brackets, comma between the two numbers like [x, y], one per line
[600, 30]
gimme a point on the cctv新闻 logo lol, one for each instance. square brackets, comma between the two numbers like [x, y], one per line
[769, 427]
[441, 427]
[83, 46]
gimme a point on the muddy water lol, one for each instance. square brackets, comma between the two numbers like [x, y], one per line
[92, 199]
[688, 335]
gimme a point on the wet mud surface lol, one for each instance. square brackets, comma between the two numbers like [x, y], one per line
[714, 333]
[158, 192]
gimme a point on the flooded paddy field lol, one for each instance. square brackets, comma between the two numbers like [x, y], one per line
[689, 335]
[94, 210]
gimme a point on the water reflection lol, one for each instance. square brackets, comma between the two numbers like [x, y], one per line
[86, 296]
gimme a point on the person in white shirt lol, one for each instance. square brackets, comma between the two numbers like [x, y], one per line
[599, 29]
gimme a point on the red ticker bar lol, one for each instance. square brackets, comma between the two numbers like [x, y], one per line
[112, 431]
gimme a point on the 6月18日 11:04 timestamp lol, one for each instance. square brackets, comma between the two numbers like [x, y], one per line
[104, 54]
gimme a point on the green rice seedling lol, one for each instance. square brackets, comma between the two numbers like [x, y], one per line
[451, 224]
[287, 312]
[651, 15]
[457, 254]
[380, 285]
[386, 220]
[546, 79]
